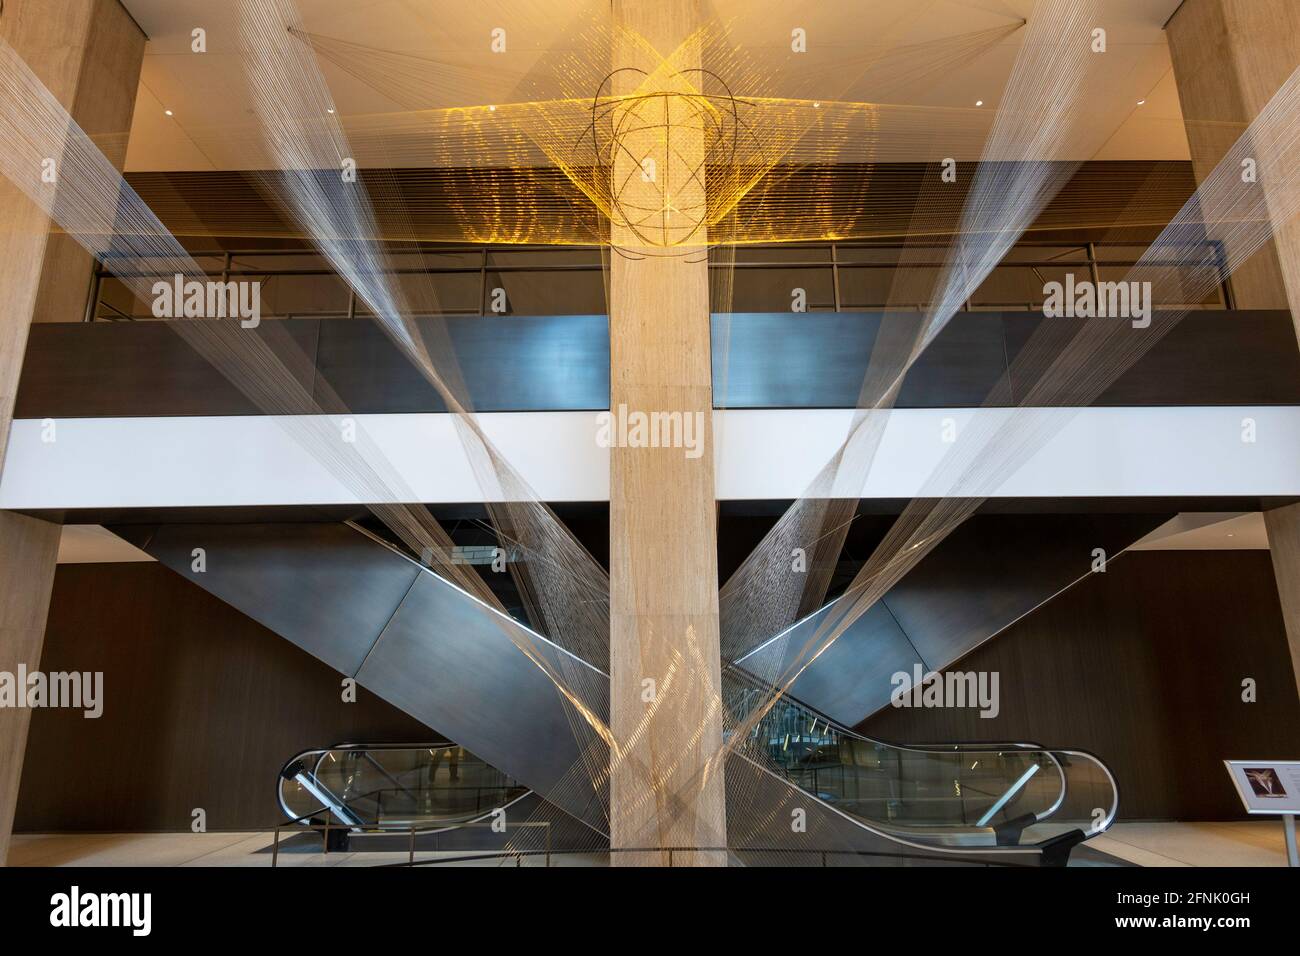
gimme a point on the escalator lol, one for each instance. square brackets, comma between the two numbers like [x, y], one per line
[434, 795]
[372, 613]
[963, 593]
[1014, 798]
[368, 787]
[369, 611]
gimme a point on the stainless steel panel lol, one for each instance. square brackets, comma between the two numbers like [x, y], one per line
[507, 363]
[325, 587]
[819, 359]
[458, 665]
[988, 573]
[850, 679]
[994, 569]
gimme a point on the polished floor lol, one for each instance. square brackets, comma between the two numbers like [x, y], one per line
[1254, 843]
[211, 849]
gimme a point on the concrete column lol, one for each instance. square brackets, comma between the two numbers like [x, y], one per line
[1283, 526]
[88, 53]
[1230, 57]
[666, 707]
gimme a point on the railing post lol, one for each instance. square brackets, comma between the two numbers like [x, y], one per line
[327, 831]
[835, 275]
[92, 298]
[410, 857]
[1225, 288]
[275, 849]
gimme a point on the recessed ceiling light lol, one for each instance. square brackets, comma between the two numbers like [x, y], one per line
[1142, 102]
[330, 111]
[1229, 534]
[492, 109]
[168, 112]
[817, 106]
[979, 102]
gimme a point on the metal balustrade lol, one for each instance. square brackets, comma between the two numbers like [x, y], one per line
[836, 277]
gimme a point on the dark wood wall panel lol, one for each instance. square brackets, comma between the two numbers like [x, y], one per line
[1142, 666]
[202, 708]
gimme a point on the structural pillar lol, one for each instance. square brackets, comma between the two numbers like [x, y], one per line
[88, 53]
[666, 705]
[1283, 526]
[1230, 57]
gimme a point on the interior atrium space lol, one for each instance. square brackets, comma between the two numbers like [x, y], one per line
[581, 435]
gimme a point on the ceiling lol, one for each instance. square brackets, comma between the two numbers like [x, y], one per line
[95, 544]
[212, 115]
[1189, 531]
[1208, 531]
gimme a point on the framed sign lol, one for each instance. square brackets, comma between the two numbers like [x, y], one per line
[1267, 786]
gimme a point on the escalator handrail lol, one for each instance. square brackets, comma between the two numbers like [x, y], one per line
[894, 837]
[288, 764]
[1114, 788]
[762, 687]
[287, 772]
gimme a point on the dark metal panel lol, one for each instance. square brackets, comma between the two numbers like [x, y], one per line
[545, 363]
[449, 658]
[325, 587]
[993, 569]
[1208, 358]
[851, 678]
[819, 359]
[989, 572]
[137, 369]
[508, 363]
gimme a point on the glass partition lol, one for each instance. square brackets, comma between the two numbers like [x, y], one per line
[394, 786]
[992, 795]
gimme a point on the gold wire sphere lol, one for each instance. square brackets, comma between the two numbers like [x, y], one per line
[667, 158]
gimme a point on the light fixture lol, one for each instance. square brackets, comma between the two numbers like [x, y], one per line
[167, 112]
[330, 110]
[817, 106]
[492, 109]
[979, 102]
[1142, 102]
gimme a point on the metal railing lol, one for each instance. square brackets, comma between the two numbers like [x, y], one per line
[298, 826]
[823, 268]
[674, 854]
